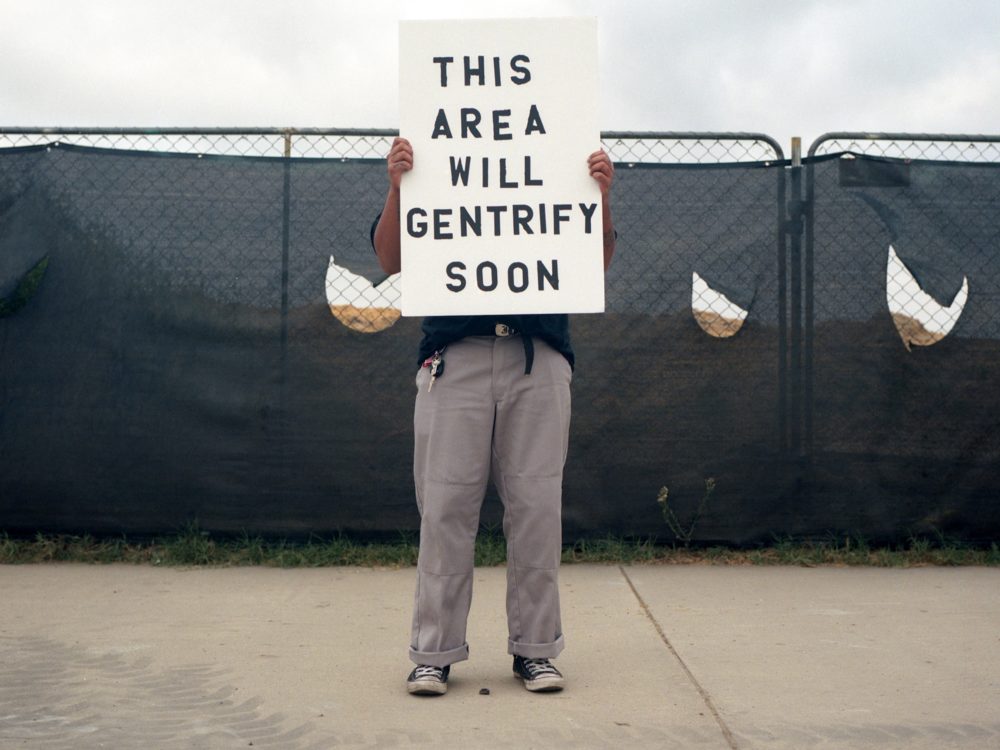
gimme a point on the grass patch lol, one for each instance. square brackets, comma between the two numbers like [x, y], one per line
[856, 551]
[193, 546]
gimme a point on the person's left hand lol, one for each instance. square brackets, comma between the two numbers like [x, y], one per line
[602, 170]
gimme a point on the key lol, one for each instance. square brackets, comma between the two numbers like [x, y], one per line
[437, 368]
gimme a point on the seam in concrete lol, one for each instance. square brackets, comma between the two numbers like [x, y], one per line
[730, 739]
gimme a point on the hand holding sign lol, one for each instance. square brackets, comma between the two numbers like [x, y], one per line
[602, 170]
[399, 161]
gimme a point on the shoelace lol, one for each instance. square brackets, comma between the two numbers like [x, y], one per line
[540, 667]
[428, 671]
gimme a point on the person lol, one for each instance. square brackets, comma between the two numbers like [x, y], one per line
[493, 399]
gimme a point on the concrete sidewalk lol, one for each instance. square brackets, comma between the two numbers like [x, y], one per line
[659, 657]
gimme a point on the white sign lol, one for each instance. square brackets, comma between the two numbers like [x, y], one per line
[499, 214]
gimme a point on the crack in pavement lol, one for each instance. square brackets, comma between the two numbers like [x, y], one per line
[726, 732]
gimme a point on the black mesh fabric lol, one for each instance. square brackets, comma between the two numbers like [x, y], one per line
[906, 441]
[176, 360]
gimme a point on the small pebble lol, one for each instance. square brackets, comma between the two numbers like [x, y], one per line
[484, 691]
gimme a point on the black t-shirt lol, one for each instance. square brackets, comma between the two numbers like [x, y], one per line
[441, 330]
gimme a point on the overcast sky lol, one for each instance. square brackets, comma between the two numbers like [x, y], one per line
[783, 68]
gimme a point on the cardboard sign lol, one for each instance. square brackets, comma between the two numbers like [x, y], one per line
[499, 214]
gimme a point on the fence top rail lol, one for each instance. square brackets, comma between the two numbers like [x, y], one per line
[663, 146]
[941, 146]
[72, 130]
[63, 130]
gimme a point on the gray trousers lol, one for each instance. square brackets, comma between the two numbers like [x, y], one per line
[484, 417]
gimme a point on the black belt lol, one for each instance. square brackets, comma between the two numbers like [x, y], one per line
[502, 330]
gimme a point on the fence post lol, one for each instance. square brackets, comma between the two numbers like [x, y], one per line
[286, 210]
[285, 218]
[793, 227]
[782, 266]
[807, 315]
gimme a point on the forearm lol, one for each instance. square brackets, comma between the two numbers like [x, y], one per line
[609, 232]
[603, 171]
[398, 161]
[387, 233]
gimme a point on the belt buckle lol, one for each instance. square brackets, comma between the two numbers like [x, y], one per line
[502, 329]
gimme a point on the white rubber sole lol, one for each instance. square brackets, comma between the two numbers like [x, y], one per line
[543, 684]
[426, 687]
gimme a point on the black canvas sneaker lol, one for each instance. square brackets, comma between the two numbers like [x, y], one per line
[428, 680]
[538, 674]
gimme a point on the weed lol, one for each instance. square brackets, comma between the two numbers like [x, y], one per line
[611, 549]
[192, 546]
[684, 532]
[491, 547]
[8, 548]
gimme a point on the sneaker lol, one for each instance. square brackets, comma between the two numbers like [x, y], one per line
[538, 674]
[428, 680]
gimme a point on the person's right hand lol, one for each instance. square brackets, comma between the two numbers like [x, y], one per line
[400, 160]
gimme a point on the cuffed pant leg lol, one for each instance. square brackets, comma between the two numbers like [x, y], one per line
[533, 526]
[529, 451]
[449, 520]
[453, 426]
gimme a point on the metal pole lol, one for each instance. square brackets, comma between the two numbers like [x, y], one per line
[781, 202]
[795, 261]
[808, 317]
[286, 210]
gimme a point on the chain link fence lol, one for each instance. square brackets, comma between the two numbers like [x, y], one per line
[367, 303]
[212, 315]
[902, 323]
[956, 148]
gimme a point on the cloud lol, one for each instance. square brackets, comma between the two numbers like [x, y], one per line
[782, 68]
[798, 68]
